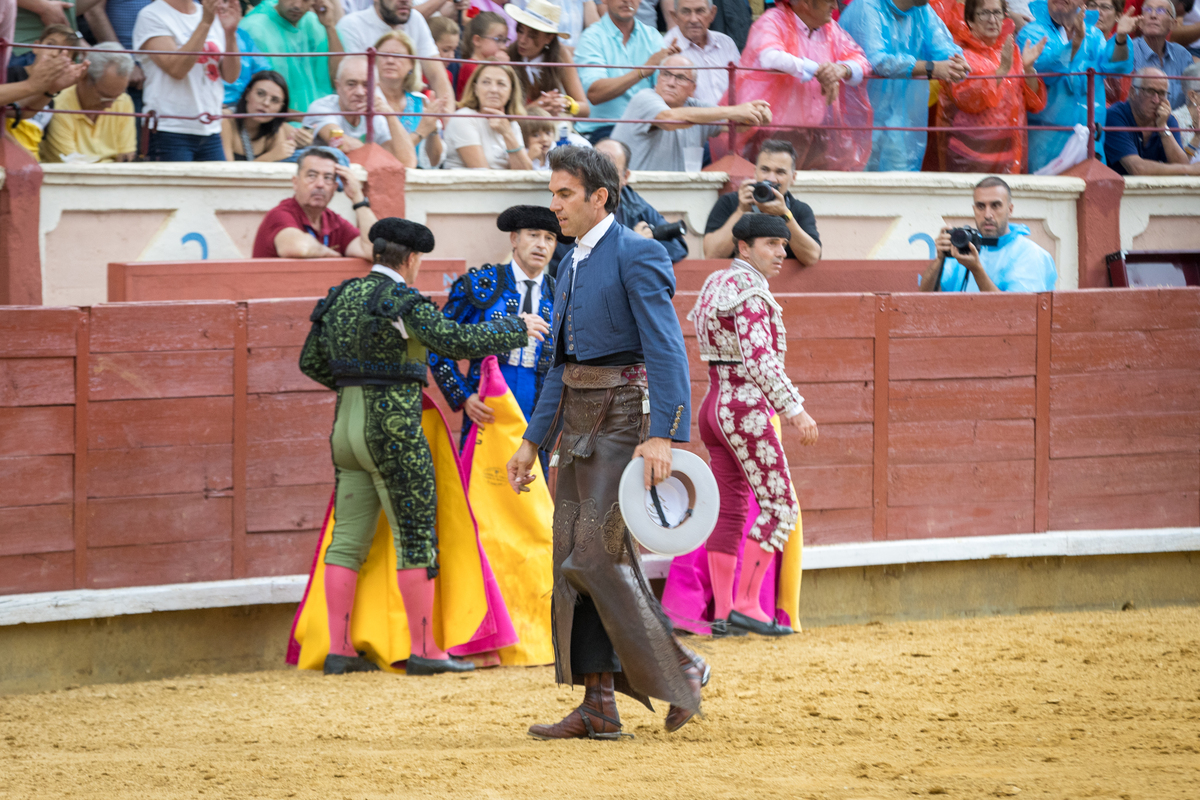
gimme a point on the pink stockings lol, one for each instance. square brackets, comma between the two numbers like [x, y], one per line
[415, 587]
[722, 566]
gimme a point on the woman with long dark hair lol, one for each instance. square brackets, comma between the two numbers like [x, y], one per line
[556, 89]
[262, 138]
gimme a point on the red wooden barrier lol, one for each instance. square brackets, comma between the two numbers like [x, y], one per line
[161, 442]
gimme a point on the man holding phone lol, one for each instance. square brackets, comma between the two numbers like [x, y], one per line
[303, 226]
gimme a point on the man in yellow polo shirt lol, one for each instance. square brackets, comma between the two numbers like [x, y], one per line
[95, 137]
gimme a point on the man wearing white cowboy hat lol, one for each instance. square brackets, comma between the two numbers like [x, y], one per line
[539, 40]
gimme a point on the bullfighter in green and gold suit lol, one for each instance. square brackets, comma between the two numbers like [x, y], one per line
[370, 339]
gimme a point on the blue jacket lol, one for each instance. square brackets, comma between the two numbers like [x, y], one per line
[1014, 263]
[622, 303]
[482, 294]
[1066, 97]
[634, 209]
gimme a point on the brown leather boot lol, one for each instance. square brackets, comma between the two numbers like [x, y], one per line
[697, 671]
[595, 718]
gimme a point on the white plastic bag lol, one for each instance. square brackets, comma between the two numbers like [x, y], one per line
[1073, 152]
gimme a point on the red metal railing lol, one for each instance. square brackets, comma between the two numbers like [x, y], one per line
[152, 118]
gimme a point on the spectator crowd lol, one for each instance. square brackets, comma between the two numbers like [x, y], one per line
[822, 75]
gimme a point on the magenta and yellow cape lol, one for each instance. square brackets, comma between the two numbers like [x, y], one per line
[476, 610]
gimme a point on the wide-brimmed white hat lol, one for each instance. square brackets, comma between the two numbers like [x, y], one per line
[679, 514]
[541, 15]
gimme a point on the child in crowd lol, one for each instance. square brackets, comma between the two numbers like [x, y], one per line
[485, 40]
[539, 136]
[445, 32]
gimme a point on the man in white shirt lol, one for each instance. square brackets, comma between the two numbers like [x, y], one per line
[362, 29]
[184, 85]
[344, 112]
[704, 48]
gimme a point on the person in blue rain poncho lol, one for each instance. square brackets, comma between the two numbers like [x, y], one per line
[1072, 45]
[1008, 261]
[902, 38]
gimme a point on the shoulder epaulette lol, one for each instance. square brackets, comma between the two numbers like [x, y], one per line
[326, 302]
[484, 285]
[394, 300]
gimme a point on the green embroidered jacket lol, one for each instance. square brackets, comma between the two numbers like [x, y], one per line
[374, 331]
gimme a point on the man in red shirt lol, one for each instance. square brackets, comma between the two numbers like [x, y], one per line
[303, 226]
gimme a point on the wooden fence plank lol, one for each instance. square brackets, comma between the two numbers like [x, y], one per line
[123, 424]
[36, 529]
[37, 430]
[161, 470]
[964, 398]
[881, 376]
[36, 332]
[1126, 310]
[147, 565]
[132, 376]
[299, 462]
[951, 484]
[121, 521]
[845, 486]
[1121, 351]
[240, 442]
[942, 441]
[1041, 422]
[963, 314]
[287, 508]
[829, 360]
[83, 368]
[278, 323]
[837, 444]
[836, 402]
[1128, 434]
[37, 381]
[1132, 392]
[41, 572]
[285, 553]
[828, 316]
[836, 525]
[1123, 475]
[1151, 510]
[968, 519]
[277, 369]
[963, 357]
[142, 327]
[40, 479]
[291, 415]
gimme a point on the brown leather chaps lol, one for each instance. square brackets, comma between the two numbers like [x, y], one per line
[594, 555]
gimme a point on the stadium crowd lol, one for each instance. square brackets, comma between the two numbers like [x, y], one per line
[820, 74]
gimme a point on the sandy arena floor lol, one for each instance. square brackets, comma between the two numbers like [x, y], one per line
[1096, 705]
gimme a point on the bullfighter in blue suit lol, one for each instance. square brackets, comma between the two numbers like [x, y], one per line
[618, 389]
[494, 291]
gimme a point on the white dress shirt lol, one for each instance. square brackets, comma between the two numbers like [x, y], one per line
[526, 356]
[720, 50]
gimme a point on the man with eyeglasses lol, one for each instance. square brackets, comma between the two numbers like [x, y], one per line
[95, 137]
[304, 226]
[704, 47]
[680, 122]
[1154, 152]
[1153, 49]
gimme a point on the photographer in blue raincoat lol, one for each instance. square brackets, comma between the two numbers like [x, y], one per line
[1001, 259]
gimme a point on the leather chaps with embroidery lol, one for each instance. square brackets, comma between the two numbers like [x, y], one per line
[594, 554]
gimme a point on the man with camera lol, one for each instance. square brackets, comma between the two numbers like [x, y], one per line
[635, 213]
[996, 257]
[767, 193]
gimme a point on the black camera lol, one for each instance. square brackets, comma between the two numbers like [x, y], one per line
[962, 239]
[764, 192]
[669, 230]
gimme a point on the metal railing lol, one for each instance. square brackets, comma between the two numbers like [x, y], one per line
[151, 118]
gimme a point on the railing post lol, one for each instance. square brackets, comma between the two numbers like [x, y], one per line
[731, 68]
[370, 95]
[1091, 112]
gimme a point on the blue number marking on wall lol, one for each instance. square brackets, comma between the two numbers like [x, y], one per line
[927, 239]
[199, 238]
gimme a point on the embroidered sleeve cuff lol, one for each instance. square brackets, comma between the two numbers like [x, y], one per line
[794, 410]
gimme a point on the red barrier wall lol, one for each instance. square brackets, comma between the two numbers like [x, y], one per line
[164, 442]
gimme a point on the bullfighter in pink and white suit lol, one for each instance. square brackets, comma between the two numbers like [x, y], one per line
[739, 327]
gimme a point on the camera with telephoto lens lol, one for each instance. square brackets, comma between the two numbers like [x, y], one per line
[962, 238]
[764, 192]
[669, 230]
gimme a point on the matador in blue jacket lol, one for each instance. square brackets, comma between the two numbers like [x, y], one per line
[495, 291]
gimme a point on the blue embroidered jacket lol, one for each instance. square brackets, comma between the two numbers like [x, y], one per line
[486, 293]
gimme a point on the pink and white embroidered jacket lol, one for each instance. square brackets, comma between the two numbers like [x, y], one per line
[737, 320]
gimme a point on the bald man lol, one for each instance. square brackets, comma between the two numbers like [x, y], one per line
[679, 121]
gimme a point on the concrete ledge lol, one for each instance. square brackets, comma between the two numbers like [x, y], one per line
[102, 603]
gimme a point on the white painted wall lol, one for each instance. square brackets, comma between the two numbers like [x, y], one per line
[96, 213]
[1160, 213]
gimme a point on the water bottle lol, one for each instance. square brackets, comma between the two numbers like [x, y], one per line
[564, 129]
